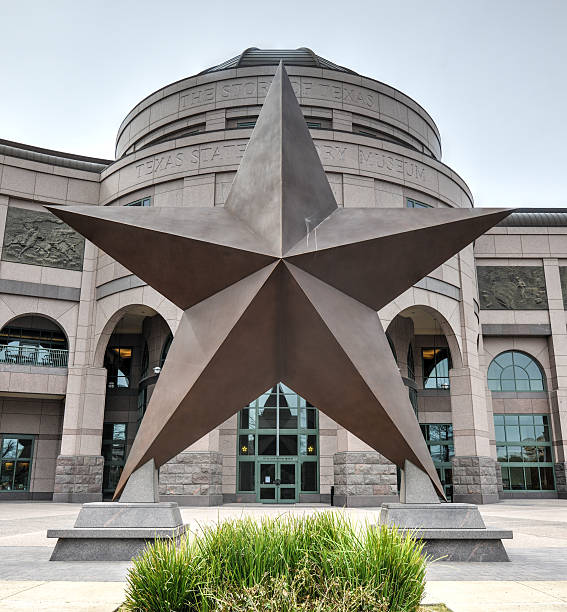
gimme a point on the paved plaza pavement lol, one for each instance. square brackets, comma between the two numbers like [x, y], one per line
[535, 579]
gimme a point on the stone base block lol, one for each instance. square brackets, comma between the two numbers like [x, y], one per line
[362, 501]
[473, 545]
[119, 515]
[432, 516]
[363, 479]
[115, 531]
[104, 544]
[475, 480]
[78, 478]
[450, 532]
[192, 478]
[195, 500]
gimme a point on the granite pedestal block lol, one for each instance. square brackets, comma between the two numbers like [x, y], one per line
[449, 532]
[116, 531]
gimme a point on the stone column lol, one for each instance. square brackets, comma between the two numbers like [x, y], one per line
[363, 477]
[557, 385]
[474, 467]
[194, 477]
[79, 467]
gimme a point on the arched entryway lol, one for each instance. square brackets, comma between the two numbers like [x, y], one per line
[427, 350]
[133, 360]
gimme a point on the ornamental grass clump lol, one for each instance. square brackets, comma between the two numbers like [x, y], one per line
[318, 563]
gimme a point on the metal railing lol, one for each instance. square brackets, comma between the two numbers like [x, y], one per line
[34, 356]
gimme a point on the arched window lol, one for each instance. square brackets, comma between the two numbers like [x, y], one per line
[165, 349]
[515, 371]
[392, 347]
[33, 340]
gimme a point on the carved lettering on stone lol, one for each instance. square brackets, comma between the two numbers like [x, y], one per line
[40, 239]
[512, 288]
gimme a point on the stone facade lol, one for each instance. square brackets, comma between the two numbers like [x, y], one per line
[78, 478]
[364, 479]
[181, 147]
[192, 478]
[475, 480]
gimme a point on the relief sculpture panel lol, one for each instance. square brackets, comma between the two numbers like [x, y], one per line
[40, 239]
[512, 288]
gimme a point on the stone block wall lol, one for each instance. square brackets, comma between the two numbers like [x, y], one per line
[364, 479]
[78, 478]
[192, 478]
[475, 480]
[561, 479]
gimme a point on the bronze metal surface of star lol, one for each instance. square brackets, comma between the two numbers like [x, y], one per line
[280, 284]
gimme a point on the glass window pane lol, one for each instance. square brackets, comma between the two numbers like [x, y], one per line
[311, 418]
[526, 419]
[267, 445]
[501, 453]
[287, 493]
[246, 475]
[532, 478]
[494, 384]
[268, 493]
[267, 418]
[536, 385]
[515, 453]
[530, 453]
[9, 448]
[499, 419]
[499, 431]
[512, 433]
[7, 475]
[307, 444]
[22, 474]
[287, 473]
[245, 418]
[520, 359]
[522, 384]
[505, 478]
[507, 373]
[505, 359]
[267, 473]
[309, 476]
[246, 444]
[436, 453]
[547, 480]
[288, 445]
[508, 385]
[527, 433]
[517, 478]
[511, 419]
[288, 418]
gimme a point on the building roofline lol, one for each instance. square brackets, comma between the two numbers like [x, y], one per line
[56, 158]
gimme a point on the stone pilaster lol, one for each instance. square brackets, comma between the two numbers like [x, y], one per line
[474, 464]
[84, 404]
[78, 478]
[557, 385]
[364, 478]
[475, 480]
[192, 478]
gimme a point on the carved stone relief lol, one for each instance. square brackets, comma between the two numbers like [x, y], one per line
[40, 239]
[512, 288]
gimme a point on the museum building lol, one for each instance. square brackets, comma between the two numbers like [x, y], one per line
[481, 343]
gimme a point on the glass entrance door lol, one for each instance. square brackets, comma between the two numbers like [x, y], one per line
[277, 482]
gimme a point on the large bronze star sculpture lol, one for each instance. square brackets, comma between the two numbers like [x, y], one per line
[280, 284]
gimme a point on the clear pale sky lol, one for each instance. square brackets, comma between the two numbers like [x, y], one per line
[492, 73]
